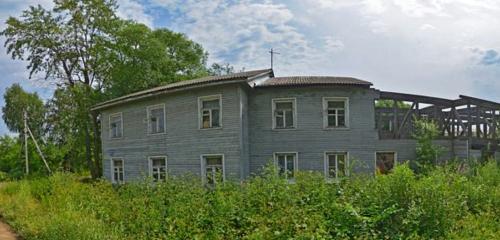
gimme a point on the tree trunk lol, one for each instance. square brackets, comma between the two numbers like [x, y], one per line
[88, 151]
[97, 145]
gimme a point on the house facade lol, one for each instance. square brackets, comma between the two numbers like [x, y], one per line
[229, 127]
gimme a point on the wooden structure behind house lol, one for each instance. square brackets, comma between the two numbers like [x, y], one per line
[229, 127]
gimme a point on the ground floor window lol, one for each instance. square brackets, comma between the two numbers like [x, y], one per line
[336, 164]
[158, 168]
[385, 162]
[286, 164]
[213, 169]
[117, 167]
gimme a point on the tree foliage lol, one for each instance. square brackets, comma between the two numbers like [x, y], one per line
[94, 55]
[16, 102]
[142, 58]
[425, 131]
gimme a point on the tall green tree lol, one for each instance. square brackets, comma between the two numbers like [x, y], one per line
[142, 58]
[92, 54]
[66, 44]
[16, 102]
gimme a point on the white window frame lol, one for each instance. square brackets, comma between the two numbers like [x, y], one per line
[121, 124]
[150, 162]
[294, 113]
[204, 167]
[395, 159]
[113, 180]
[327, 163]
[200, 107]
[325, 112]
[295, 162]
[153, 107]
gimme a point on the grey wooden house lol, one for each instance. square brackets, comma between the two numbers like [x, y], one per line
[228, 127]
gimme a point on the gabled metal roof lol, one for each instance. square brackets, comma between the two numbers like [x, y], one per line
[312, 80]
[241, 76]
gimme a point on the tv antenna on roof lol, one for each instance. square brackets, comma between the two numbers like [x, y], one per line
[272, 52]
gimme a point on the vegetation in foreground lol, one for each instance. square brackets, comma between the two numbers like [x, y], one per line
[440, 204]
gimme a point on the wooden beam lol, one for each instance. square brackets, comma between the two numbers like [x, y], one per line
[405, 119]
[481, 102]
[415, 98]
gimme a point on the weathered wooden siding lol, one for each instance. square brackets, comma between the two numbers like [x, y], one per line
[246, 138]
[310, 139]
[183, 142]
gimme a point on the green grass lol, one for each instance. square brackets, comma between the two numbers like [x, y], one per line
[441, 204]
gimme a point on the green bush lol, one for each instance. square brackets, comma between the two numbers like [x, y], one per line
[442, 204]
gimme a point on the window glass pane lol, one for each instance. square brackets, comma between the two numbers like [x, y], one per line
[211, 104]
[341, 112]
[290, 167]
[288, 119]
[341, 165]
[284, 105]
[215, 118]
[281, 164]
[117, 163]
[211, 161]
[331, 121]
[205, 119]
[214, 171]
[335, 104]
[279, 119]
[157, 120]
[341, 120]
[332, 112]
[116, 125]
[385, 162]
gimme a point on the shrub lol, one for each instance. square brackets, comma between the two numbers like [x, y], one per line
[441, 204]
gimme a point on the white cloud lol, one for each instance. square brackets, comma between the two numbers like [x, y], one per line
[332, 44]
[242, 32]
[131, 9]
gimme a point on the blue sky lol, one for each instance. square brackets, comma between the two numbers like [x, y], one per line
[432, 47]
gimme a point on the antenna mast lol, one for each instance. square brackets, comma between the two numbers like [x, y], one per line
[272, 52]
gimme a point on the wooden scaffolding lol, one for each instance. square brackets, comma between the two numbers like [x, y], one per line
[466, 118]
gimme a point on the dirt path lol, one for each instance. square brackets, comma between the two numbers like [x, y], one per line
[6, 232]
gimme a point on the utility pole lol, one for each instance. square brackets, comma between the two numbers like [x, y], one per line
[25, 120]
[272, 52]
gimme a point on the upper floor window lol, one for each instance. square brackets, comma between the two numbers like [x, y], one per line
[115, 125]
[213, 169]
[336, 112]
[284, 113]
[336, 164]
[156, 119]
[210, 111]
[117, 167]
[384, 162]
[286, 164]
[158, 168]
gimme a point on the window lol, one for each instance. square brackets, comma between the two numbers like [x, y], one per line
[115, 125]
[117, 168]
[284, 113]
[158, 168]
[210, 114]
[156, 119]
[286, 164]
[336, 112]
[336, 164]
[385, 162]
[213, 169]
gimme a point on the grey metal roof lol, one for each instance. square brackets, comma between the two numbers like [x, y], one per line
[312, 80]
[184, 84]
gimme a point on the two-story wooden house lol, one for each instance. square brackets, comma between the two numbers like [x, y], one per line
[228, 127]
